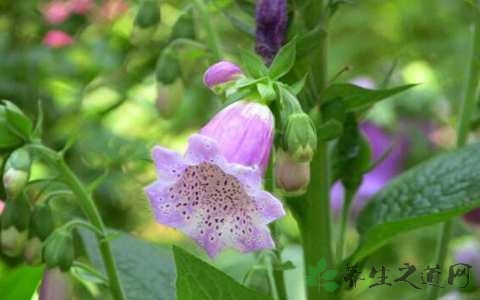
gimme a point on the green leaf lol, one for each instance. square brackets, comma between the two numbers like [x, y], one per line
[329, 130]
[330, 286]
[311, 281]
[146, 271]
[357, 98]
[298, 86]
[20, 283]
[432, 192]
[312, 271]
[17, 120]
[310, 41]
[198, 280]
[329, 275]
[253, 64]
[284, 60]
[321, 265]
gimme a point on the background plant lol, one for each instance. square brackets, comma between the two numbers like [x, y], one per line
[130, 76]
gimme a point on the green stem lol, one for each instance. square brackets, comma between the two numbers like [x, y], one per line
[278, 275]
[88, 206]
[466, 113]
[349, 195]
[314, 218]
[212, 37]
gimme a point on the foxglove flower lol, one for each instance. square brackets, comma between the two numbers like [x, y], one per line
[214, 192]
[376, 179]
[468, 252]
[56, 12]
[57, 39]
[81, 7]
[55, 285]
[271, 21]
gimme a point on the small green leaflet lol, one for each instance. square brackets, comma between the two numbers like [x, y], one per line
[20, 283]
[284, 60]
[357, 98]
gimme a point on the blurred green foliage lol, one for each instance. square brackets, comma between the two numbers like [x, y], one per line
[102, 92]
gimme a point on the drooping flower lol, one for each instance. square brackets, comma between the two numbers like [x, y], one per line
[271, 27]
[214, 192]
[373, 181]
[55, 285]
[56, 12]
[57, 39]
[220, 73]
[112, 9]
[81, 7]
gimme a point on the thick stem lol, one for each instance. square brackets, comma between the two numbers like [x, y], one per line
[464, 122]
[315, 215]
[212, 37]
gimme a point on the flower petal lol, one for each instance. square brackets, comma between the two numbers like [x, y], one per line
[164, 203]
[259, 238]
[269, 207]
[168, 163]
[202, 149]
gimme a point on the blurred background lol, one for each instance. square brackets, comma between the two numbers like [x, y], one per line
[93, 68]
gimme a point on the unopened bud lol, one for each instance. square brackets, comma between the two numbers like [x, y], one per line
[184, 27]
[41, 224]
[221, 74]
[168, 67]
[17, 172]
[13, 241]
[291, 176]
[148, 14]
[300, 139]
[33, 251]
[271, 20]
[169, 99]
[58, 250]
[15, 221]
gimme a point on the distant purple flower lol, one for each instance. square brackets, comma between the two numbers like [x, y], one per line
[375, 180]
[55, 285]
[214, 192]
[220, 73]
[473, 217]
[469, 253]
[271, 20]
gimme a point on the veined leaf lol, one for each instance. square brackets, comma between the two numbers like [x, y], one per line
[434, 191]
[253, 64]
[147, 271]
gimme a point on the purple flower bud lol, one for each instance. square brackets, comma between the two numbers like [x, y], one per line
[271, 19]
[214, 192]
[291, 176]
[55, 285]
[220, 73]
[473, 217]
